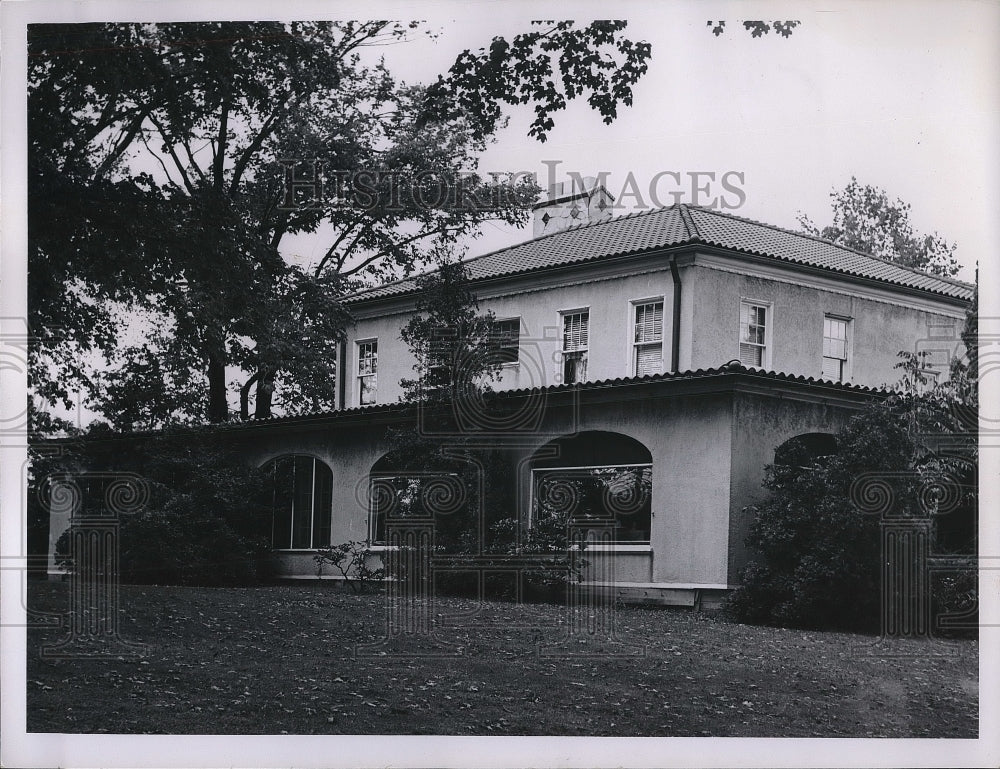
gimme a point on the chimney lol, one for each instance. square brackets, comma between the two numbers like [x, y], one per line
[576, 202]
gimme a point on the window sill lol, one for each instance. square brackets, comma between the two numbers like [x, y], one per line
[292, 550]
[637, 547]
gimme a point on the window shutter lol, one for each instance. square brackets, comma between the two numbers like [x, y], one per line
[649, 322]
[832, 369]
[576, 331]
[751, 355]
[649, 360]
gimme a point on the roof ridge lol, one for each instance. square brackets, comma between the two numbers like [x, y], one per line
[827, 241]
[688, 220]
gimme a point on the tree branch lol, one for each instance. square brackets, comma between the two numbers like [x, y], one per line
[170, 149]
[385, 252]
[254, 146]
[156, 155]
[219, 161]
[330, 251]
[126, 138]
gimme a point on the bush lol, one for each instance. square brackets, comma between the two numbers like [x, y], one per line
[206, 521]
[817, 552]
[353, 560]
[554, 567]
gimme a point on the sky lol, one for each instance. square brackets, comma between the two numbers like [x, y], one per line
[903, 96]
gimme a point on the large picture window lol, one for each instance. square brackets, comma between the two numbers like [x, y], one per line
[410, 496]
[614, 499]
[576, 339]
[301, 491]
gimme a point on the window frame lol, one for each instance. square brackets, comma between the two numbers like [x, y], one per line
[634, 346]
[766, 355]
[373, 519]
[845, 367]
[515, 346]
[315, 498]
[532, 487]
[583, 352]
[358, 376]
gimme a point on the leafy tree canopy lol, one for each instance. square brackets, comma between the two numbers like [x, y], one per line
[866, 219]
[169, 161]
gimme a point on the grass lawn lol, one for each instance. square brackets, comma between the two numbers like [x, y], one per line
[284, 660]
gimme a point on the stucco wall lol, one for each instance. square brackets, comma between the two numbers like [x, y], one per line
[883, 321]
[611, 328]
[761, 423]
[688, 436]
[878, 330]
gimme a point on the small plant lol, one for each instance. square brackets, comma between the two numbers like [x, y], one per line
[554, 567]
[351, 559]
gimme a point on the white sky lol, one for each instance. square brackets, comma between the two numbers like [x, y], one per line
[904, 96]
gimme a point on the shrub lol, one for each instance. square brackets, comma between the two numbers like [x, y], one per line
[817, 553]
[353, 560]
[205, 521]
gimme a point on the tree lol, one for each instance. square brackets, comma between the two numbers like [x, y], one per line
[164, 161]
[453, 344]
[864, 218]
[457, 362]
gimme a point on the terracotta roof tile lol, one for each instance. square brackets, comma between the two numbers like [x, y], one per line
[683, 225]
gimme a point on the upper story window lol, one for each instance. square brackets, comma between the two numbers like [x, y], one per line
[834, 348]
[367, 372]
[647, 340]
[753, 333]
[576, 338]
[507, 339]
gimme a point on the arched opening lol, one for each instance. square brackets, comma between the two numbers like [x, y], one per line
[803, 450]
[595, 477]
[301, 495]
[403, 486]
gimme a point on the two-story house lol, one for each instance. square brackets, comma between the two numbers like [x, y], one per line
[653, 365]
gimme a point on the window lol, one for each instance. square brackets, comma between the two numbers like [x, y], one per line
[395, 497]
[610, 500]
[753, 334]
[576, 333]
[301, 497]
[648, 338]
[507, 338]
[367, 372]
[834, 349]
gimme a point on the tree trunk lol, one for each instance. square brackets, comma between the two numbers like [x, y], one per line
[265, 393]
[245, 396]
[218, 404]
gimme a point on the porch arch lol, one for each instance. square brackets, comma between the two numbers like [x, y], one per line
[805, 448]
[300, 490]
[595, 475]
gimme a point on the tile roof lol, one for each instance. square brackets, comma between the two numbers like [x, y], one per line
[728, 369]
[684, 225]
